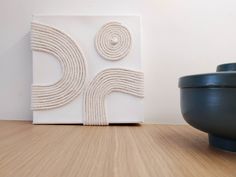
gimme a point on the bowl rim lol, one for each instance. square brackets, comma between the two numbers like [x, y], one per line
[209, 80]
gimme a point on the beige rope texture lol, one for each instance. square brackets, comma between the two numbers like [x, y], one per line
[104, 83]
[113, 41]
[48, 39]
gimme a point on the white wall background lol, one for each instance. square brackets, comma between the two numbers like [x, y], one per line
[179, 37]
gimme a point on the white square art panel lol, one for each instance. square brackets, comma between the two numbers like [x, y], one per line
[87, 33]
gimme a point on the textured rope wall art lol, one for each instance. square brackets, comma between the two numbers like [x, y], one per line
[104, 83]
[113, 41]
[55, 42]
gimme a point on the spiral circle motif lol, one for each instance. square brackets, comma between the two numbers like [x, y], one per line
[113, 41]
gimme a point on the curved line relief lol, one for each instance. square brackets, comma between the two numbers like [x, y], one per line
[48, 39]
[106, 82]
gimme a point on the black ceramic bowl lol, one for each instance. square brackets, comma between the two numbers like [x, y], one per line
[208, 103]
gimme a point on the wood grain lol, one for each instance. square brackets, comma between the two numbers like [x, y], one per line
[28, 150]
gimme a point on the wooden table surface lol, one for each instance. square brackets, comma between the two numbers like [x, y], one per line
[28, 150]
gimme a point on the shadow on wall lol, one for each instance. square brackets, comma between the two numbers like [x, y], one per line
[15, 80]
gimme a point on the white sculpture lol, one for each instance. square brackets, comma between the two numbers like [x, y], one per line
[77, 90]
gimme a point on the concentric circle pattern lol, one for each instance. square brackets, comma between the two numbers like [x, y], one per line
[113, 41]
